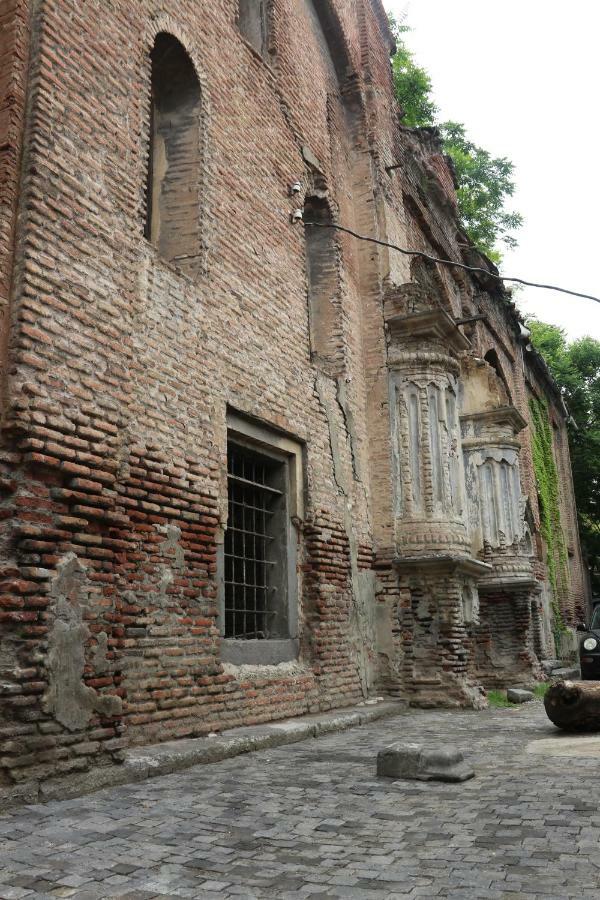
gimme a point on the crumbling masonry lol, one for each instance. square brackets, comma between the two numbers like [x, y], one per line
[250, 468]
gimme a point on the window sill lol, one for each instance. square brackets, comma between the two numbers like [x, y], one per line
[261, 653]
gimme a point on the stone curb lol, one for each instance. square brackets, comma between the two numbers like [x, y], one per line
[163, 759]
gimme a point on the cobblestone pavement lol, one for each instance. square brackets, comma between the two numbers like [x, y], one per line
[312, 820]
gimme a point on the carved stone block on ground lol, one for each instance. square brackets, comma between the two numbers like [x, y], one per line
[549, 665]
[570, 674]
[414, 761]
[518, 695]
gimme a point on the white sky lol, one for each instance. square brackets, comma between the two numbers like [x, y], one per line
[523, 76]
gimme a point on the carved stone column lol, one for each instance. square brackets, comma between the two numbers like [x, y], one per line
[429, 503]
[437, 573]
[500, 535]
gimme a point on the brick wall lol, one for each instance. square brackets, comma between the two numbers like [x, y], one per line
[504, 641]
[14, 51]
[122, 366]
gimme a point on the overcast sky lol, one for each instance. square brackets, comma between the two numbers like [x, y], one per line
[524, 78]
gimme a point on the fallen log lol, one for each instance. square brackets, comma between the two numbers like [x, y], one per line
[574, 705]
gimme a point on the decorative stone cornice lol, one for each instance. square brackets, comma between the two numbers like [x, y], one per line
[429, 564]
[502, 416]
[432, 325]
[507, 581]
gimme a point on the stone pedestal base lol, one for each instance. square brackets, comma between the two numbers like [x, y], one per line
[438, 609]
[504, 638]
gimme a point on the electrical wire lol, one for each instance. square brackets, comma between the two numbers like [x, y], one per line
[449, 262]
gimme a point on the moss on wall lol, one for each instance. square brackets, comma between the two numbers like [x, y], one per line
[546, 475]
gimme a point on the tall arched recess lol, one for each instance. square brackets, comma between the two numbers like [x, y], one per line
[491, 358]
[334, 37]
[175, 154]
[253, 22]
[323, 284]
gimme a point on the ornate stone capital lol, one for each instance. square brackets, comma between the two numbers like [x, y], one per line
[489, 427]
[429, 337]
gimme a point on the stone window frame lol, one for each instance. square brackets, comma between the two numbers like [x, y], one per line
[267, 441]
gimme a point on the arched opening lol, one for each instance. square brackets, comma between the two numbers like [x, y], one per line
[253, 22]
[322, 271]
[334, 37]
[175, 154]
[491, 358]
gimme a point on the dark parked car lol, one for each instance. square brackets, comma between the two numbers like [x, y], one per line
[589, 649]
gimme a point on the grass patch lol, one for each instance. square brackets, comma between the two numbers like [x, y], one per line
[497, 700]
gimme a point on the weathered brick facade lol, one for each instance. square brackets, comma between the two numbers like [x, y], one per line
[125, 359]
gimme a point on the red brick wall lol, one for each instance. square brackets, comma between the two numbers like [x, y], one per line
[14, 48]
[121, 369]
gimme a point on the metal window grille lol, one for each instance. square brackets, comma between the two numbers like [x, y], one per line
[251, 544]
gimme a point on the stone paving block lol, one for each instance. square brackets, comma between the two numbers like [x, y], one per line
[525, 826]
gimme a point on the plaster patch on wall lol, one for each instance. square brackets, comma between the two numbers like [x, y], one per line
[323, 389]
[342, 399]
[8, 656]
[70, 701]
[245, 672]
[172, 545]
[98, 655]
[362, 618]
[334, 402]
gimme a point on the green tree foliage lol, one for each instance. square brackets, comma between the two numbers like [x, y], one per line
[412, 84]
[576, 369]
[484, 182]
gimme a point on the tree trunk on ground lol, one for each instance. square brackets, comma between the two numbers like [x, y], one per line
[574, 705]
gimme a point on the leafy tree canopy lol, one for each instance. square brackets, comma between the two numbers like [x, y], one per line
[484, 182]
[576, 369]
[412, 84]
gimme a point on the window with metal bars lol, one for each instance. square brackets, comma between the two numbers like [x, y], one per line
[255, 551]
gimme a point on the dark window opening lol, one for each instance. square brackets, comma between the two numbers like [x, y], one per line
[175, 157]
[255, 551]
[253, 21]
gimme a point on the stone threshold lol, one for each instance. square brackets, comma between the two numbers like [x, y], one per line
[154, 760]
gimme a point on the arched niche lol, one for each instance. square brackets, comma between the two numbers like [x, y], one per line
[491, 358]
[175, 154]
[322, 271]
[253, 22]
[334, 37]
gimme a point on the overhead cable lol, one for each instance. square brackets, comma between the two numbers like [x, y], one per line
[449, 262]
